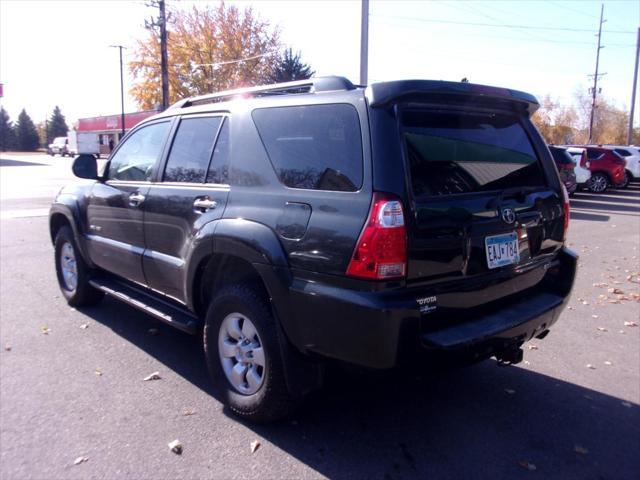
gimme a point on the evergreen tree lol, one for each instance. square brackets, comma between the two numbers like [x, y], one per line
[290, 67]
[7, 136]
[26, 133]
[57, 126]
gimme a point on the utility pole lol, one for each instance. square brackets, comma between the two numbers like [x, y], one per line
[164, 61]
[594, 93]
[120, 47]
[633, 91]
[364, 43]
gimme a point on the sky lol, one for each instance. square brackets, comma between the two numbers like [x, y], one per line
[58, 52]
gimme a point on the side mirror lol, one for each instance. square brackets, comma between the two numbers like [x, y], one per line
[85, 166]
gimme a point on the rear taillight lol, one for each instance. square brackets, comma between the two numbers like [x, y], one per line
[565, 206]
[381, 251]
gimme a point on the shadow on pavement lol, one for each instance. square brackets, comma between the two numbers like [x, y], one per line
[19, 163]
[479, 421]
[613, 201]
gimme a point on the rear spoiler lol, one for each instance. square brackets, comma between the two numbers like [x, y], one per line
[386, 93]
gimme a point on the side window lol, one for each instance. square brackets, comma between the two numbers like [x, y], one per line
[219, 167]
[317, 147]
[135, 159]
[594, 155]
[622, 152]
[191, 150]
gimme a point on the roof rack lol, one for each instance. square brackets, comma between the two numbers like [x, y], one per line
[311, 85]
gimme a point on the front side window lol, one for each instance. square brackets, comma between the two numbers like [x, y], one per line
[136, 157]
[191, 150]
[316, 147]
[462, 152]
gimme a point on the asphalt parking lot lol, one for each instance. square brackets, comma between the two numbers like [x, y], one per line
[71, 381]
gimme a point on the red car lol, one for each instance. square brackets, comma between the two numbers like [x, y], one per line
[607, 168]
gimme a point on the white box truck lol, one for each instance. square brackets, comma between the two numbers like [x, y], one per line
[82, 142]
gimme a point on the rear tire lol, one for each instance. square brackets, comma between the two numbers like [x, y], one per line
[625, 181]
[243, 355]
[598, 183]
[72, 271]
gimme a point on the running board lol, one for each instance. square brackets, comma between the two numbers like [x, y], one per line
[163, 311]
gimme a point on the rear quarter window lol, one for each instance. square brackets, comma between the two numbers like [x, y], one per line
[315, 147]
[458, 152]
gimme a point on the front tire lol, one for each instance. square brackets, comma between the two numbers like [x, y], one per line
[243, 355]
[73, 272]
[598, 183]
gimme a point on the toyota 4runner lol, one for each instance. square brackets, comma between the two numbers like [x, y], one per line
[314, 220]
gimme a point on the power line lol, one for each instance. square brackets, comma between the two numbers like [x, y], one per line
[502, 25]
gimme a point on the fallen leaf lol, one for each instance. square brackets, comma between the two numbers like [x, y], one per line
[630, 324]
[7, 347]
[533, 347]
[601, 284]
[98, 372]
[580, 450]
[616, 291]
[153, 331]
[189, 412]
[153, 376]
[594, 316]
[584, 302]
[591, 367]
[510, 391]
[621, 331]
[84, 326]
[45, 330]
[176, 447]
[602, 329]
[254, 446]
[607, 362]
[527, 465]
[80, 460]
[570, 308]
[613, 301]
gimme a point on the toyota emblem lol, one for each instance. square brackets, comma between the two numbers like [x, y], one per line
[508, 215]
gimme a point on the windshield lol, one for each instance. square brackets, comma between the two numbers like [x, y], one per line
[454, 152]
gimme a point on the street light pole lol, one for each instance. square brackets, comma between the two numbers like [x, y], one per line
[364, 43]
[120, 47]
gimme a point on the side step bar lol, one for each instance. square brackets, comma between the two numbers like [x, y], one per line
[157, 308]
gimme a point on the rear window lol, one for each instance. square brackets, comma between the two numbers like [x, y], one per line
[560, 155]
[315, 147]
[454, 152]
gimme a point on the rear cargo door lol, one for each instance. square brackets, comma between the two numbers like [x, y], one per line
[480, 197]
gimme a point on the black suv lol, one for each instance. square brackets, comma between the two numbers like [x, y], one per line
[297, 223]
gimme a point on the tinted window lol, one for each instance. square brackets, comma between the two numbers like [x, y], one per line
[219, 168]
[622, 152]
[560, 156]
[191, 150]
[452, 152]
[135, 159]
[594, 154]
[316, 147]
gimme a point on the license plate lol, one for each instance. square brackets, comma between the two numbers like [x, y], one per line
[502, 250]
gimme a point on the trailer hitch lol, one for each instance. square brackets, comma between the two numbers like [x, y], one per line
[510, 356]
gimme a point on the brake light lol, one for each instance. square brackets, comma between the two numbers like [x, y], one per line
[565, 206]
[381, 251]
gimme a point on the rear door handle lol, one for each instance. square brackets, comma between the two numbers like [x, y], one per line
[135, 199]
[205, 204]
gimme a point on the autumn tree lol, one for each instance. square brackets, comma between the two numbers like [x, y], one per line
[209, 49]
[7, 135]
[289, 66]
[556, 122]
[57, 125]
[26, 134]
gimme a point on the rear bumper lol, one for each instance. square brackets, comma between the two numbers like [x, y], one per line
[383, 329]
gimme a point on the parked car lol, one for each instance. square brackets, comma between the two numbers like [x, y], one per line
[59, 146]
[607, 168]
[631, 156]
[566, 166]
[298, 223]
[581, 169]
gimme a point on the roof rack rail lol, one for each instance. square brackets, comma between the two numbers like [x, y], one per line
[311, 85]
